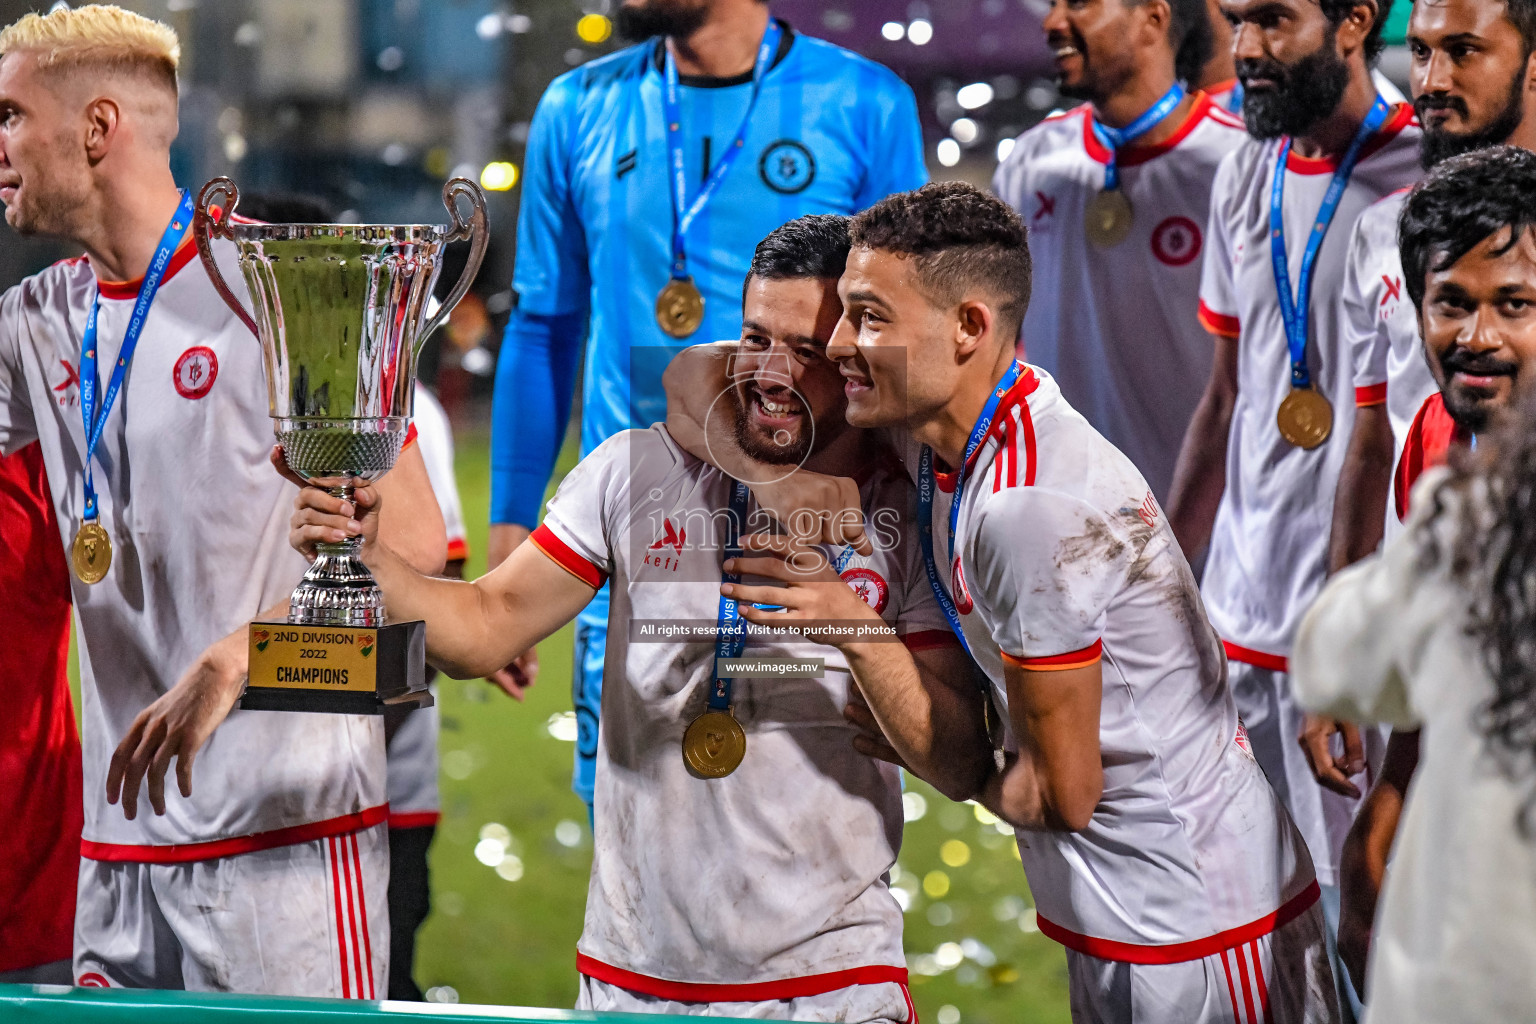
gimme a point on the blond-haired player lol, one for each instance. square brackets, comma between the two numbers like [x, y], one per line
[269, 874]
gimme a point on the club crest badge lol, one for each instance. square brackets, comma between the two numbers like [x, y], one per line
[870, 586]
[195, 372]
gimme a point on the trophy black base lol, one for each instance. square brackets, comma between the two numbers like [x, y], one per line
[340, 670]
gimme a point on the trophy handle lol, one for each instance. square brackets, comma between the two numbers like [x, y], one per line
[476, 229]
[205, 226]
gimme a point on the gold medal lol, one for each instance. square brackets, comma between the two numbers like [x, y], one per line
[91, 553]
[1305, 418]
[680, 307]
[1108, 218]
[714, 745]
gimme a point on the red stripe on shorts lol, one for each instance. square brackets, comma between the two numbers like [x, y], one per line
[341, 931]
[362, 903]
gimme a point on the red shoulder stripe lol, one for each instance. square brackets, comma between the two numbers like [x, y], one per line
[1059, 662]
[1221, 324]
[1371, 394]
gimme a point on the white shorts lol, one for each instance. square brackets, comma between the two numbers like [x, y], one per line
[1282, 978]
[310, 919]
[876, 1004]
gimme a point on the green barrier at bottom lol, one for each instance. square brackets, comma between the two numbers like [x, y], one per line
[59, 1004]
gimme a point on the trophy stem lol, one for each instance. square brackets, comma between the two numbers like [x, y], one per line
[338, 590]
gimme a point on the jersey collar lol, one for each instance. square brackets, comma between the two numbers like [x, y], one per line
[1133, 154]
[1400, 118]
[130, 289]
[658, 51]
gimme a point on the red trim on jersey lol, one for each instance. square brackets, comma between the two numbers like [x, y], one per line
[1400, 118]
[1219, 323]
[130, 289]
[1182, 952]
[1242, 974]
[1371, 394]
[928, 639]
[566, 557]
[1132, 155]
[458, 549]
[410, 437]
[1428, 445]
[1089, 655]
[414, 819]
[1258, 659]
[183, 853]
[762, 991]
[1258, 980]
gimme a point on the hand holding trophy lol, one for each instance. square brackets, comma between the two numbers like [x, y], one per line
[341, 311]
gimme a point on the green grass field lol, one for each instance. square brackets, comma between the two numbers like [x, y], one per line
[507, 933]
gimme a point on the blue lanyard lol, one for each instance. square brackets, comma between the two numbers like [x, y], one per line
[1117, 138]
[684, 213]
[730, 634]
[925, 487]
[1235, 98]
[175, 231]
[1295, 309]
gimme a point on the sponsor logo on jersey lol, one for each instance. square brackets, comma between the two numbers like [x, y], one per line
[195, 372]
[673, 537]
[1047, 207]
[787, 167]
[963, 602]
[870, 586]
[1391, 296]
[1176, 241]
[68, 388]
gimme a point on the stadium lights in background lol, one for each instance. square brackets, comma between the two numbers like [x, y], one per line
[919, 32]
[498, 176]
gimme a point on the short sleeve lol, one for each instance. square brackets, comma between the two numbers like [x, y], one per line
[580, 525]
[894, 142]
[551, 276]
[1365, 333]
[18, 427]
[1218, 290]
[1045, 573]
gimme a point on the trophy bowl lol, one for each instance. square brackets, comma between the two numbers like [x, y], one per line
[341, 311]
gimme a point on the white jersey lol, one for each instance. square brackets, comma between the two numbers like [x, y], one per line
[1065, 559]
[1381, 329]
[1116, 326]
[199, 526]
[777, 872]
[412, 753]
[1269, 545]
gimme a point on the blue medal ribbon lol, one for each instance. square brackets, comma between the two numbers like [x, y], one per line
[1295, 308]
[926, 482]
[1114, 139]
[730, 633]
[1235, 99]
[175, 231]
[683, 212]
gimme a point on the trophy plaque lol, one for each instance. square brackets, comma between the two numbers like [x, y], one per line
[341, 311]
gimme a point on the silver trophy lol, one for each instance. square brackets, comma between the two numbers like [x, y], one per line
[341, 311]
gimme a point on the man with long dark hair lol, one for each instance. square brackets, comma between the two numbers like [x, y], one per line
[1437, 631]
[1472, 77]
[1262, 455]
